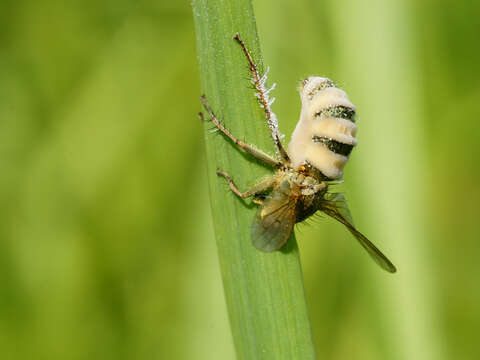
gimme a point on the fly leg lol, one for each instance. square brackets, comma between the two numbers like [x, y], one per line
[256, 189]
[265, 101]
[257, 153]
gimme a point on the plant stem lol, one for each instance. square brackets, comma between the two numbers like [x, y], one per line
[264, 291]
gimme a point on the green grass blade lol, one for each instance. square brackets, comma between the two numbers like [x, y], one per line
[264, 292]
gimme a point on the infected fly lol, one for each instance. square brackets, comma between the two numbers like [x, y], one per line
[317, 153]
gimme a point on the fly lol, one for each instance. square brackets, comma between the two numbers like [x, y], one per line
[317, 153]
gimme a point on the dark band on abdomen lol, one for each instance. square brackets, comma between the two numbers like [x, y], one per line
[339, 111]
[333, 145]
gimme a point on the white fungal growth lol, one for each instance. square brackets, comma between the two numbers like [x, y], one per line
[319, 95]
[266, 102]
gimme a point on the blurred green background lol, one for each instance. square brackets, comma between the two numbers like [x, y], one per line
[106, 244]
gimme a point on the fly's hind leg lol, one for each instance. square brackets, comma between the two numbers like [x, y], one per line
[257, 153]
[265, 101]
[256, 189]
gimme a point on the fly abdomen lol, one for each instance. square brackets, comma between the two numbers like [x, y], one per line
[333, 145]
[339, 111]
[326, 133]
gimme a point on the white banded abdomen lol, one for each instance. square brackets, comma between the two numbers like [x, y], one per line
[319, 119]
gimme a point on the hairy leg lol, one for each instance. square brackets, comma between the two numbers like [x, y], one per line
[257, 153]
[258, 188]
[262, 94]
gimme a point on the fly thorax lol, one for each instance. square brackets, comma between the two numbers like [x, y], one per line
[326, 132]
[311, 186]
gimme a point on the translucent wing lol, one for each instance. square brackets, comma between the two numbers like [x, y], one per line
[335, 206]
[274, 221]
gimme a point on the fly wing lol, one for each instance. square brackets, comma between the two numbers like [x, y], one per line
[274, 221]
[336, 206]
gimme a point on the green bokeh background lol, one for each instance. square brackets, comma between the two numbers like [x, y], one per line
[106, 243]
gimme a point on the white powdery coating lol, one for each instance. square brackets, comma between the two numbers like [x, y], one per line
[338, 129]
[319, 94]
[272, 121]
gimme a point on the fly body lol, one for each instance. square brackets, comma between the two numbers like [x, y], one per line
[294, 197]
[317, 153]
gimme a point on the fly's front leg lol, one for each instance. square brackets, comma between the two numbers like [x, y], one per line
[257, 153]
[256, 189]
